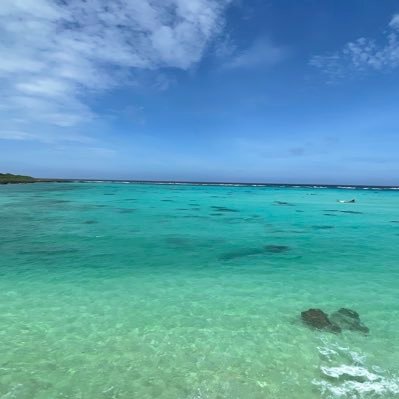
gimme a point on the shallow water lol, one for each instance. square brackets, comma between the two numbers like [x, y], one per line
[183, 292]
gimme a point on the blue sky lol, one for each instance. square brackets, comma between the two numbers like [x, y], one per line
[261, 91]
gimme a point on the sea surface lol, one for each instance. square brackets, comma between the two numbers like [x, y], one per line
[125, 291]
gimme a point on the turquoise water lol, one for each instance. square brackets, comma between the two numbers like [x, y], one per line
[183, 292]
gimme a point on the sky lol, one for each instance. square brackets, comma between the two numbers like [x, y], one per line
[203, 90]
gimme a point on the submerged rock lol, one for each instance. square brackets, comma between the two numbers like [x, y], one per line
[90, 222]
[316, 318]
[242, 253]
[323, 227]
[224, 209]
[348, 319]
[283, 203]
[266, 250]
[126, 210]
[276, 249]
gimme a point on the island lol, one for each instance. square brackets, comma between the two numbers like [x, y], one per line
[8, 178]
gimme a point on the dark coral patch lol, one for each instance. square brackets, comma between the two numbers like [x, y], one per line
[284, 203]
[126, 210]
[178, 242]
[242, 253]
[277, 249]
[348, 319]
[224, 209]
[317, 319]
[268, 249]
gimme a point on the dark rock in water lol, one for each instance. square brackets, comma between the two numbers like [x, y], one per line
[348, 319]
[316, 318]
[242, 253]
[349, 313]
[282, 203]
[267, 249]
[277, 249]
[223, 209]
[126, 210]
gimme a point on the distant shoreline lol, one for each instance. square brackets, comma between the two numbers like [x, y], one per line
[18, 179]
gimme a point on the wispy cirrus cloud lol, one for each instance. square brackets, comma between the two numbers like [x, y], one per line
[261, 53]
[362, 55]
[55, 54]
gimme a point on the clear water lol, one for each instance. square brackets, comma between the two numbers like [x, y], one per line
[175, 291]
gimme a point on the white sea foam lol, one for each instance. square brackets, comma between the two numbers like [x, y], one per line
[354, 380]
[355, 389]
[327, 352]
[93, 181]
[347, 371]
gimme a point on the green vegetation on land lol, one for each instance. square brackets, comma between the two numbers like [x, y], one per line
[6, 178]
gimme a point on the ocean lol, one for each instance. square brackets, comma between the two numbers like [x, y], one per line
[183, 291]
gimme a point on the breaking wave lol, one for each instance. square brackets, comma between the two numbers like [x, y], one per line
[344, 374]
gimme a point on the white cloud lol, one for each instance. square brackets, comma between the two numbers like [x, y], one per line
[394, 22]
[54, 53]
[15, 135]
[261, 53]
[362, 55]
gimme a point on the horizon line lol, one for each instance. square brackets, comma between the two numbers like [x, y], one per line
[198, 182]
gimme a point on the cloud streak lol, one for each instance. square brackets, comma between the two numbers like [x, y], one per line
[55, 54]
[362, 55]
[261, 53]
